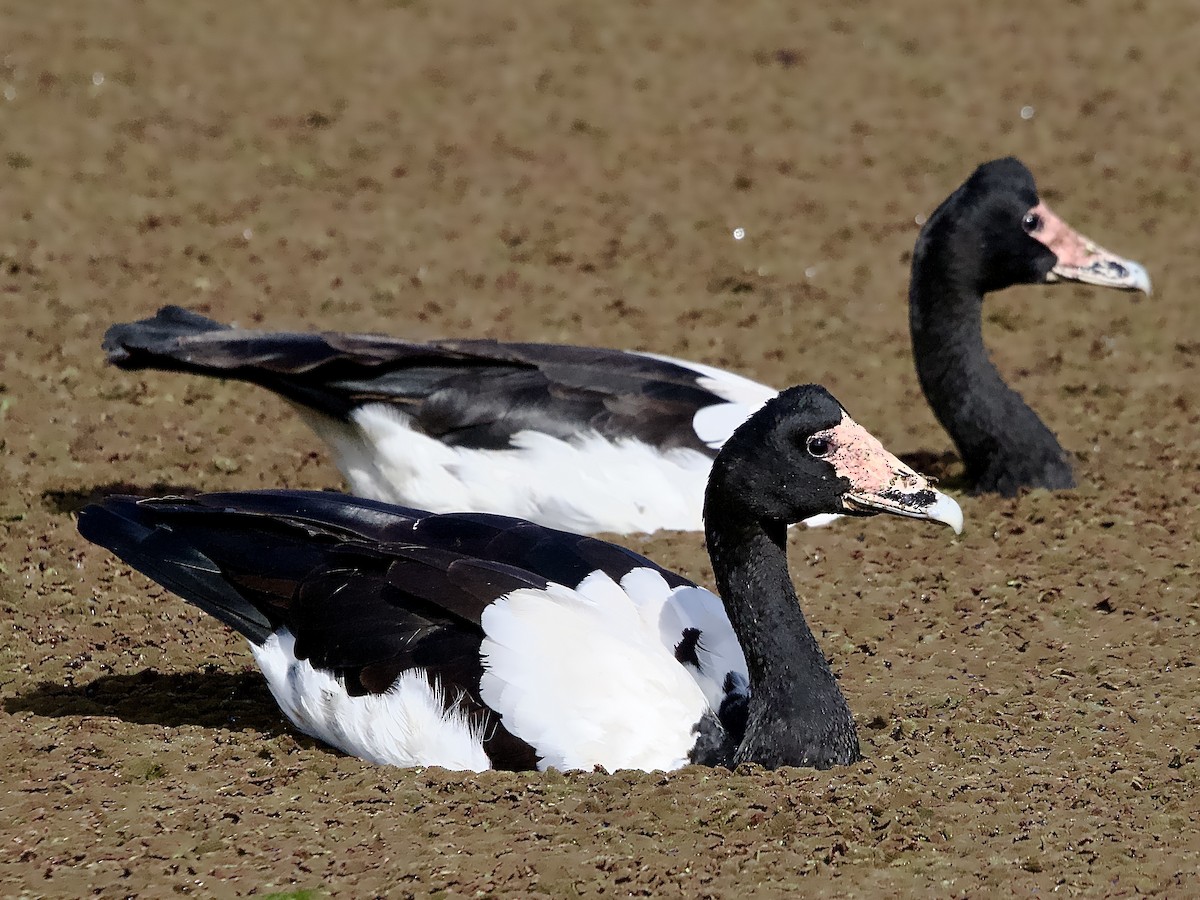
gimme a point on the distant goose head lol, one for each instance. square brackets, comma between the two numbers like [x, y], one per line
[995, 232]
[992, 233]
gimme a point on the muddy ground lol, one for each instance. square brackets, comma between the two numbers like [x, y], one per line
[1026, 694]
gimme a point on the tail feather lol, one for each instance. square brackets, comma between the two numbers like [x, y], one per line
[472, 393]
[251, 559]
[327, 372]
[149, 343]
[174, 562]
[243, 557]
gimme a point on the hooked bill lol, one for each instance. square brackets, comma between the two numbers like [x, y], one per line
[1081, 259]
[879, 481]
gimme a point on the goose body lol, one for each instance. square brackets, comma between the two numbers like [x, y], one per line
[594, 440]
[578, 438]
[471, 640]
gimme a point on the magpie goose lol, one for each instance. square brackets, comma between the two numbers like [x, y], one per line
[991, 233]
[470, 640]
[595, 440]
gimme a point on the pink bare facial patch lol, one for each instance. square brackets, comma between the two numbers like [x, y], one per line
[1071, 247]
[877, 478]
[1080, 259]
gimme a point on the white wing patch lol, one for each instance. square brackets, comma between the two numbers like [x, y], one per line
[582, 677]
[409, 725]
[714, 424]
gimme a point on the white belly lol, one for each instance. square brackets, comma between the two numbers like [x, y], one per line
[409, 725]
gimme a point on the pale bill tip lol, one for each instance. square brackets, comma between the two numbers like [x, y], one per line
[1139, 278]
[946, 511]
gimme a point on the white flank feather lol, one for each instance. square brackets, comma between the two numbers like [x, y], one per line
[580, 676]
[409, 725]
[586, 485]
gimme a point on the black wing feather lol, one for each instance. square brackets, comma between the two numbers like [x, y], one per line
[471, 393]
[357, 582]
[176, 564]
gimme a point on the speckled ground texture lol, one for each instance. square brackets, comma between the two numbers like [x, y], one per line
[1026, 694]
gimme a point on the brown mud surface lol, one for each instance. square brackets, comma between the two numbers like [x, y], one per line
[1026, 694]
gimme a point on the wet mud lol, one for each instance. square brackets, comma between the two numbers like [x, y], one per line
[1026, 694]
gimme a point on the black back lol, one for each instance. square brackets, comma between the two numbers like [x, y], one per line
[470, 393]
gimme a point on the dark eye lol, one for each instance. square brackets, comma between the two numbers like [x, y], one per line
[1031, 223]
[819, 446]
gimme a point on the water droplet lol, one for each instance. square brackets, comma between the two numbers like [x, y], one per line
[1027, 112]
[810, 271]
[247, 233]
[97, 78]
[920, 218]
[739, 233]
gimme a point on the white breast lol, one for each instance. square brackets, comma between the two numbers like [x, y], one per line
[672, 611]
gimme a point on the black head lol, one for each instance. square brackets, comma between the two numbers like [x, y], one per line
[802, 455]
[981, 231]
[995, 232]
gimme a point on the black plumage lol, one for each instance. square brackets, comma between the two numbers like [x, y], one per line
[465, 393]
[980, 240]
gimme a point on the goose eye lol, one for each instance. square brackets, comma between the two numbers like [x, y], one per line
[819, 446]
[1031, 223]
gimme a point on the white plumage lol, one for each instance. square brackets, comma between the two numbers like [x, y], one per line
[586, 675]
[409, 725]
[581, 676]
[586, 484]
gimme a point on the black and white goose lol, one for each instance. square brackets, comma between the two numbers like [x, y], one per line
[595, 440]
[473, 641]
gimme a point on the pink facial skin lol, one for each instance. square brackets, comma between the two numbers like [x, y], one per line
[858, 456]
[1080, 259]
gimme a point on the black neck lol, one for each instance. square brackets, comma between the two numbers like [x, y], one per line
[797, 716]
[1003, 443]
